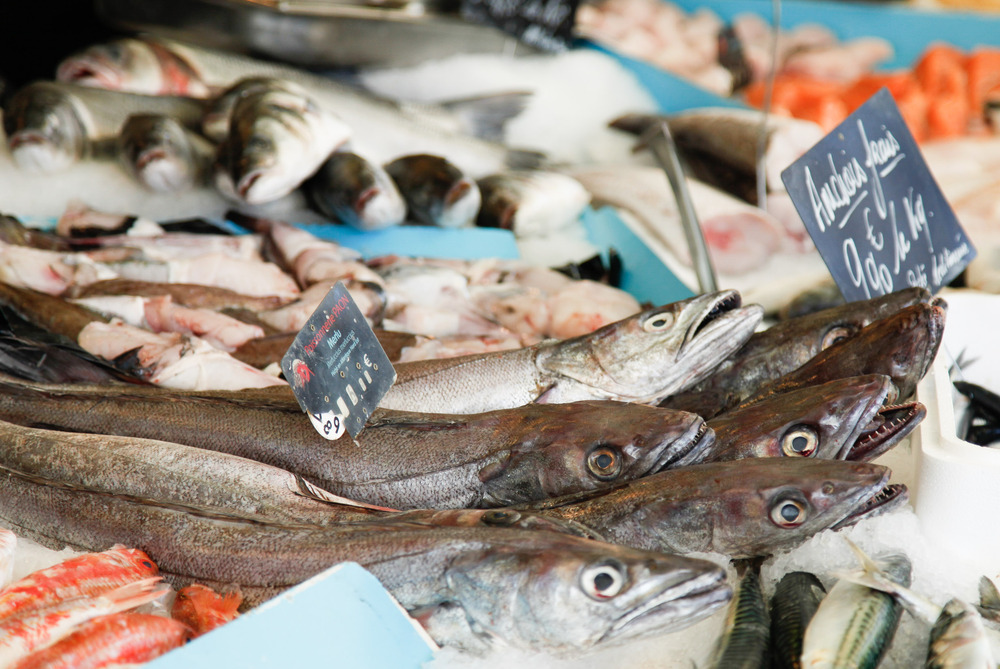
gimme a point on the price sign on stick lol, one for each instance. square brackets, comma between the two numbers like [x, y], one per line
[871, 206]
[545, 24]
[336, 366]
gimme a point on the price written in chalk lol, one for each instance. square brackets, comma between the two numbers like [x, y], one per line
[873, 209]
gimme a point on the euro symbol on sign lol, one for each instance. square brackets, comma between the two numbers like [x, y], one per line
[368, 363]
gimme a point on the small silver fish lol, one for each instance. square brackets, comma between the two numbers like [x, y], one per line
[353, 190]
[436, 191]
[162, 154]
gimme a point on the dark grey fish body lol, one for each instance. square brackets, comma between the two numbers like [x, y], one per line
[401, 459]
[795, 600]
[436, 192]
[742, 508]
[610, 592]
[351, 189]
[783, 348]
[744, 643]
[847, 419]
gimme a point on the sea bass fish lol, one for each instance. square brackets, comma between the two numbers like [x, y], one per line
[119, 639]
[491, 459]
[351, 189]
[436, 192]
[163, 155]
[786, 346]
[642, 358]
[384, 129]
[530, 202]
[742, 508]
[277, 139]
[51, 125]
[846, 419]
[614, 593]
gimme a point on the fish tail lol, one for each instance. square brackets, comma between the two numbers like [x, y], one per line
[135, 594]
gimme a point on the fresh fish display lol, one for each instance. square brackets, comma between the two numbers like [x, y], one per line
[277, 139]
[745, 641]
[436, 192]
[383, 129]
[901, 346]
[85, 575]
[202, 609]
[351, 189]
[795, 600]
[119, 639]
[492, 459]
[742, 508]
[22, 635]
[51, 125]
[530, 202]
[846, 419]
[643, 358]
[786, 346]
[854, 624]
[8, 544]
[958, 638]
[163, 155]
[480, 569]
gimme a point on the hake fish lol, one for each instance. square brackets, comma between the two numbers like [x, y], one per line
[570, 593]
[742, 508]
[786, 346]
[642, 358]
[51, 125]
[845, 419]
[401, 460]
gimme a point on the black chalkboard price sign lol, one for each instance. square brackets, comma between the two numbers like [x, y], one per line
[545, 24]
[871, 206]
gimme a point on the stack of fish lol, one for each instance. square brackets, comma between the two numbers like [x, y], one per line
[179, 116]
[494, 494]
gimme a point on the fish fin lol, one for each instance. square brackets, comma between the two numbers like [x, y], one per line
[873, 577]
[751, 564]
[989, 597]
[484, 116]
[494, 468]
[635, 124]
[310, 491]
[525, 159]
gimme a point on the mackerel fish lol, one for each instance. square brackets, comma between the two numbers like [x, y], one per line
[642, 358]
[795, 600]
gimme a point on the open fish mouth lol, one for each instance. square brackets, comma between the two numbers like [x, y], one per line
[686, 603]
[890, 424]
[151, 156]
[89, 73]
[689, 454]
[726, 302]
[883, 501]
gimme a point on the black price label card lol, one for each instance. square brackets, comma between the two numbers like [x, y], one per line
[871, 206]
[545, 24]
[336, 366]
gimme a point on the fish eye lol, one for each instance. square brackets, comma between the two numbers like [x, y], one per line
[801, 441]
[603, 581]
[835, 335]
[788, 513]
[500, 518]
[604, 462]
[658, 322]
[147, 564]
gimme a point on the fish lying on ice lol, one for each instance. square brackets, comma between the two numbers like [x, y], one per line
[793, 604]
[401, 460]
[741, 508]
[436, 192]
[745, 639]
[350, 189]
[163, 155]
[642, 358]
